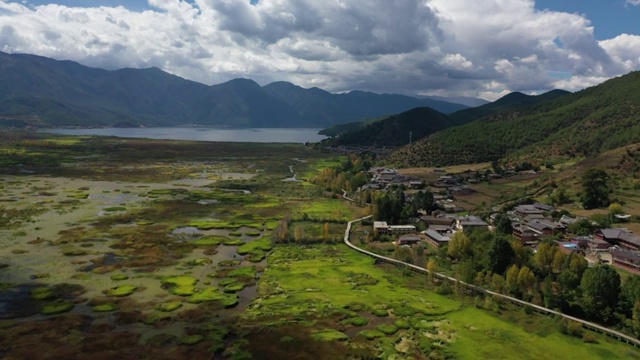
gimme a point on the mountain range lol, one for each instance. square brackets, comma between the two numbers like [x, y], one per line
[39, 91]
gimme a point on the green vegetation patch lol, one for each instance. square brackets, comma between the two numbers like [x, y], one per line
[119, 277]
[169, 306]
[380, 312]
[121, 290]
[213, 294]
[387, 329]
[183, 285]
[356, 321]
[57, 307]
[402, 324]
[209, 240]
[330, 335]
[256, 255]
[371, 334]
[260, 244]
[42, 293]
[234, 287]
[105, 307]
[243, 271]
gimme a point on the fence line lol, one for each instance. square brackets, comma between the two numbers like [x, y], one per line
[477, 289]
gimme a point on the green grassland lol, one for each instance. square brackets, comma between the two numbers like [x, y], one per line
[385, 312]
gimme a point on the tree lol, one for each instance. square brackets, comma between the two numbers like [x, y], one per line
[600, 287]
[500, 255]
[595, 189]
[432, 267]
[459, 245]
[526, 280]
[512, 279]
[503, 224]
[544, 256]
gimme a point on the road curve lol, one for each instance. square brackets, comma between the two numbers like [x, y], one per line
[541, 309]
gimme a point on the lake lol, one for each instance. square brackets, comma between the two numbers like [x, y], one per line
[261, 135]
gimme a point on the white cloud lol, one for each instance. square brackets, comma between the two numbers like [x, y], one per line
[633, 2]
[443, 47]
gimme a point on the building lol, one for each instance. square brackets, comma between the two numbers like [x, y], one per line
[629, 260]
[408, 240]
[436, 238]
[620, 237]
[546, 227]
[380, 228]
[437, 220]
[402, 229]
[525, 235]
[470, 223]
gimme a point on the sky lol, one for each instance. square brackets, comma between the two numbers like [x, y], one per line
[473, 48]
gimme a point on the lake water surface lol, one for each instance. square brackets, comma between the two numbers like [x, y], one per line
[262, 135]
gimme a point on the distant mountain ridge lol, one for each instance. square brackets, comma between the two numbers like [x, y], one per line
[40, 91]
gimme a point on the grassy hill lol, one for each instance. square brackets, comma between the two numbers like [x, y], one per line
[586, 123]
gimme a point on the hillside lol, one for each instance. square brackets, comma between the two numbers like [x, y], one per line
[394, 130]
[398, 129]
[47, 92]
[586, 123]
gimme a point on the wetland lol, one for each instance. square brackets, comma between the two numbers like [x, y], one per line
[164, 249]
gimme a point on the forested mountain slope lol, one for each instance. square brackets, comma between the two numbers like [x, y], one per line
[588, 122]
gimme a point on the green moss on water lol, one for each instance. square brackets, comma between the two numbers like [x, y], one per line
[256, 256]
[121, 290]
[119, 277]
[232, 288]
[356, 321]
[42, 293]
[330, 335]
[57, 307]
[115, 209]
[387, 329]
[371, 334]
[260, 244]
[183, 285]
[213, 294]
[402, 324]
[244, 271]
[225, 282]
[169, 306]
[209, 240]
[105, 307]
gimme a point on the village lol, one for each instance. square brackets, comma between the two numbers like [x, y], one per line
[530, 223]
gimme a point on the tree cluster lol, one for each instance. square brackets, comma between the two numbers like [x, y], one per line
[550, 277]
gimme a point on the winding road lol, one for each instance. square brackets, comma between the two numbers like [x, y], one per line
[541, 309]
